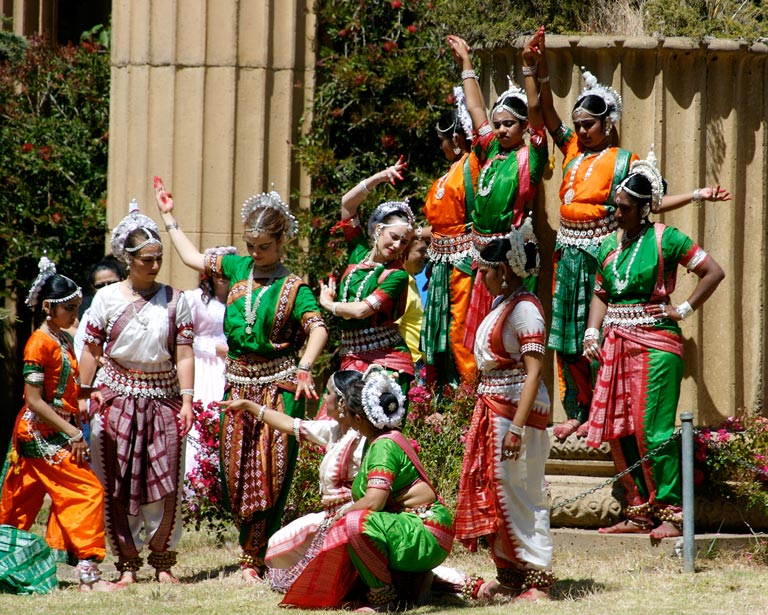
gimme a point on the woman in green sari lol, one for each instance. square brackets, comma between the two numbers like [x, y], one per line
[396, 525]
[270, 313]
[641, 361]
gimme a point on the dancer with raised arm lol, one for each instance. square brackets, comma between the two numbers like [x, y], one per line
[270, 314]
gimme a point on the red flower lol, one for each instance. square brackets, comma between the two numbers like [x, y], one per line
[343, 32]
[388, 141]
[27, 147]
[337, 112]
[56, 217]
[415, 445]
[359, 80]
[412, 29]
[450, 99]
[396, 4]
[390, 46]
[45, 152]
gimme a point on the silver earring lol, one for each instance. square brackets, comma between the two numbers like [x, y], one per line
[608, 126]
[457, 150]
[504, 284]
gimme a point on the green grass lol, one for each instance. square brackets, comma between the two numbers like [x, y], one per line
[626, 582]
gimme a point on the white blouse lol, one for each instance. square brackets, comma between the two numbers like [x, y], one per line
[143, 342]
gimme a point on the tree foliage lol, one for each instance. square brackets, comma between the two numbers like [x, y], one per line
[54, 118]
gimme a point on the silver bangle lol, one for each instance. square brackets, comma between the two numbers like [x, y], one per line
[171, 226]
[516, 429]
[297, 429]
[260, 415]
[591, 334]
[76, 438]
[543, 79]
[190, 392]
[684, 310]
[697, 196]
[468, 74]
[364, 187]
[305, 367]
[530, 71]
[334, 305]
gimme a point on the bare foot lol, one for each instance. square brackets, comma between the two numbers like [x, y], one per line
[534, 594]
[491, 589]
[563, 430]
[127, 577]
[626, 527]
[100, 586]
[165, 576]
[666, 530]
[583, 430]
[250, 575]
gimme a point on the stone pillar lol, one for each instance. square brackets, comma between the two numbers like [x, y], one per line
[207, 94]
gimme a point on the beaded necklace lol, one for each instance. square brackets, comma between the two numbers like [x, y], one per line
[440, 193]
[251, 304]
[570, 193]
[621, 285]
[486, 190]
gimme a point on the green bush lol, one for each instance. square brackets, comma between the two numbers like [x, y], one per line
[54, 104]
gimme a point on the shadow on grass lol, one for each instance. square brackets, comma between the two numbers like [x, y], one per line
[575, 589]
[206, 575]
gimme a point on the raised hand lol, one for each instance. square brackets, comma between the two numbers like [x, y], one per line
[164, 198]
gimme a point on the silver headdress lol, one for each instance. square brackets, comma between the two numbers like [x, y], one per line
[610, 96]
[516, 256]
[133, 222]
[388, 208]
[514, 91]
[47, 269]
[648, 169]
[378, 381]
[268, 200]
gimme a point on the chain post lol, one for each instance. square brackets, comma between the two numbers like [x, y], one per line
[689, 530]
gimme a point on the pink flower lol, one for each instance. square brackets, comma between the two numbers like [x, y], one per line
[723, 435]
[415, 445]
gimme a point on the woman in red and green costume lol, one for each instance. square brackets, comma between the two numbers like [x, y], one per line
[510, 170]
[592, 169]
[641, 362]
[397, 523]
[270, 313]
[372, 292]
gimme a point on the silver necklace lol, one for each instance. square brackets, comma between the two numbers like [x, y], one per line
[359, 294]
[251, 304]
[570, 193]
[485, 190]
[620, 284]
[441, 182]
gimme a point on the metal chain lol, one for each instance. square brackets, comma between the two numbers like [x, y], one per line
[741, 462]
[621, 474]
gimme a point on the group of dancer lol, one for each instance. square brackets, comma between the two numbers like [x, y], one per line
[383, 522]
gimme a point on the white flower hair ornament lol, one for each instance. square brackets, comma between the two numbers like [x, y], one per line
[513, 91]
[386, 209]
[610, 96]
[220, 251]
[376, 383]
[268, 200]
[133, 222]
[46, 270]
[461, 111]
[647, 168]
[516, 256]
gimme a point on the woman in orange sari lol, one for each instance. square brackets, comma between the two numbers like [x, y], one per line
[49, 455]
[448, 210]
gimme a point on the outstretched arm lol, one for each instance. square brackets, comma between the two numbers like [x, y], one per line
[551, 119]
[350, 202]
[189, 254]
[709, 193]
[472, 93]
[273, 418]
[530, 68]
